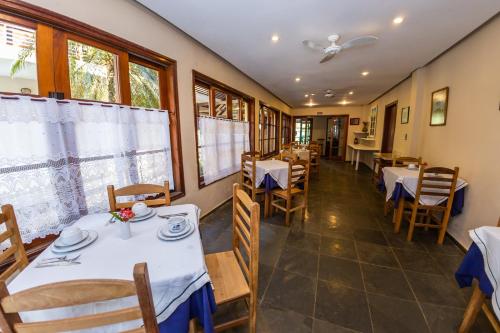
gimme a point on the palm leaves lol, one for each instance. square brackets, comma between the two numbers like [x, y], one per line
[22, 58]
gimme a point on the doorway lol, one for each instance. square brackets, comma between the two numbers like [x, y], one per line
[336, 137]
[390, 115]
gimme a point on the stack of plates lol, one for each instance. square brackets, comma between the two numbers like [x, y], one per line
[89, 236]
[166, 233]
[150, 213]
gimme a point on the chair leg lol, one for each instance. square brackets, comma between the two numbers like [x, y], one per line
[444, 226]
[267, 199]
[386, 208]
[252, 315]
[473, 308]
[288, 207]
[399, 215]
[412, 224]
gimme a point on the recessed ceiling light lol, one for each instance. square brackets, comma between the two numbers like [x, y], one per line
[398, 20]
[297, 79]
[365, 73]
[275, 38]
[351, 92]
[344, 102]
[311, 103]
[306, 95]
[313, 94]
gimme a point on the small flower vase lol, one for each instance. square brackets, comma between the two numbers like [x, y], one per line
[125, 232]
[365, 126]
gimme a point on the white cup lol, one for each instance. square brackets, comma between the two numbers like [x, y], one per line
[412, 166]
[140, 209]
[176, 224]
[71, 235]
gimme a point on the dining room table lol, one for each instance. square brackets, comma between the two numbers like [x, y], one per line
[271, 174]
[180, 284]
[302, 153]
[481, 263]
[401, 183]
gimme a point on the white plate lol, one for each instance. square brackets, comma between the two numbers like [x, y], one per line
[415, 168]
[165, 238]
[90, 239]
[148, 211]
[143, 217]
[60, 244]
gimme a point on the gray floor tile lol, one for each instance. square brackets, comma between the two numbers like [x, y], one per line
[386, 281]
[391, 315]
[304, 241]
[435, 289]
[340, 272]
[370, 236]
[275, 320]
[376, 254]
[338, 247]
[417, 261]
[322, 326]
[343, 306]
[444, 319]
[299, 261]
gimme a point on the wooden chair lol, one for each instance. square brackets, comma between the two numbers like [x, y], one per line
[287, 155]
[79, 292]
[404, 161]
[15, 254]
[233, 277]
[286, 146]
[399, 162]
[315, 152]
[162, 197]
[298, 173]
[435, 182]
[247, 178]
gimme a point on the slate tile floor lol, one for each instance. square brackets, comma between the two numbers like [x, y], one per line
[344, 270]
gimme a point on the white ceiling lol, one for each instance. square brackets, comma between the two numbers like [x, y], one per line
[240, 32]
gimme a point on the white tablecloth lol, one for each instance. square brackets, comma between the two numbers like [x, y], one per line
[277, 169]
[488, 241]
[176, 269]
[303, 154]
[409, 180]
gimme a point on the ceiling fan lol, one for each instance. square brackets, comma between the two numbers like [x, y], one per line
[331, 50]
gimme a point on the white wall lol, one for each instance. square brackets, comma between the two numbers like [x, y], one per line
[471, 137]
[131, 21]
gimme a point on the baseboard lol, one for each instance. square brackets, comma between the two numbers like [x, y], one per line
[216, 207]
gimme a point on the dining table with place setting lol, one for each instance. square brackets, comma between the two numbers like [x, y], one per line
[96, 247]
[271, 174]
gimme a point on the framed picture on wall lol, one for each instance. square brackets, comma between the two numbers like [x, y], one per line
[405, 115]
[373, 121]
[354, 121]
[439, 107]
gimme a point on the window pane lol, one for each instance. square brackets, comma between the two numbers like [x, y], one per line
[236, 108]
[18, 72]
[202, 100]
[144, 86]
[93, 73]
[245, 111]
[220, 104]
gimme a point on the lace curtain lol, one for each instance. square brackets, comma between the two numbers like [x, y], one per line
[57, 157]
[221, 143]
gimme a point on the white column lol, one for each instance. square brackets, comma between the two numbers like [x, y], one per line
[357, 159]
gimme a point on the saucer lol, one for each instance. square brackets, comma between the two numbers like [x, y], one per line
[89, 240]
[150, 214]
[162, 236]
[61, 244]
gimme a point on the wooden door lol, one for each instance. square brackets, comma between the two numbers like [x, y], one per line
[337, 128]
[391, 111]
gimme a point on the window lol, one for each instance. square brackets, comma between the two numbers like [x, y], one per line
[92, 67]
[223, 128]
[286, 126]
[144, 86]
[269, 130]
[303, 130]
[18, 70]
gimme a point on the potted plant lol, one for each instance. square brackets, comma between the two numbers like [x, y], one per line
[123, 216]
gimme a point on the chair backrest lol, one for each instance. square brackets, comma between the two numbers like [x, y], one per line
[287, 155]
[298, 173]
[286, 146]
[162, 197]
[79, 292]
[15, 253]
[247, 174]
[404, 161]
[437, 182]
[253, 153]
[246, 221]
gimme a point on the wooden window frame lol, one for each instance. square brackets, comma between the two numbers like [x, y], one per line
[286, 136]
[310, 127]
[212, 84]
[277, 130]
[52, 30]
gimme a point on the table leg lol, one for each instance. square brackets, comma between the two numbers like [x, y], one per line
[267, 201]
[352, 156]
[398, 214]
[475, 303]
[357, 159]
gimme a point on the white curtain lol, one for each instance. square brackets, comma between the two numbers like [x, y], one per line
[221, 142]
[57, 157]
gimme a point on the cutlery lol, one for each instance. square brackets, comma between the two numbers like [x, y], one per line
[59, 259]
[57, 263]
[166, 216]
